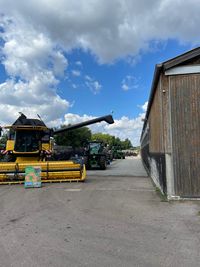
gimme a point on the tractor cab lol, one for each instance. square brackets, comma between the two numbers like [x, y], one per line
[96, 155]
[95, 147]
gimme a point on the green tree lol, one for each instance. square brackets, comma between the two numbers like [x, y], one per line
[3, 140]
[74, 138]
[126, 144]
[112, 140]
[117, 142]
[106, 138]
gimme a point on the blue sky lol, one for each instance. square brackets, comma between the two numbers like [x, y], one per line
[71, 61]
[113, 96]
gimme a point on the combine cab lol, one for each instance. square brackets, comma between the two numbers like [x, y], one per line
[30, 144]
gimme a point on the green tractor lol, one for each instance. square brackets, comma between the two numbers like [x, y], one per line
[118, 153]
[96, 155]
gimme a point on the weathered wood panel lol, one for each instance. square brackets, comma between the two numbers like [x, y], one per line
[156, 123]
[166, 113]
[185, 123]
[155, 165]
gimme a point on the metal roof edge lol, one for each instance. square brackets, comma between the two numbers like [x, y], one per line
[181, 58]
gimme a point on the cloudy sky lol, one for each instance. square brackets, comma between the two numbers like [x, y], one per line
[70, 61]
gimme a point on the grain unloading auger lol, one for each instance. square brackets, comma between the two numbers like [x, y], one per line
[30, 144]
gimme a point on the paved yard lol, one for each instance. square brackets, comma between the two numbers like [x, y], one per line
[113, 219]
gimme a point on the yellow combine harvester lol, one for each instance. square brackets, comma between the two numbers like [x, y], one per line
[30, 144]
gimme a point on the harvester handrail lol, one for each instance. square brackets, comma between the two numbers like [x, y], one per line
[25, 127]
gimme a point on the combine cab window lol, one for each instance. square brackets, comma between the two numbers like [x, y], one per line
[11, 135]
[26, 141]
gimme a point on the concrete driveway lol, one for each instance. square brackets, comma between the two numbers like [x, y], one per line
[113, 219]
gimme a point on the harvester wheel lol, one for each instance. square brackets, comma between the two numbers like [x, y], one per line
[102, 163]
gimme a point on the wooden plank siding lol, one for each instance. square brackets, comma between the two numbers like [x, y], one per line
[156, 144]
[185, 127]
[166, 113]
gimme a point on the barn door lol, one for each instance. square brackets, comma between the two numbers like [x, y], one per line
[185, 123]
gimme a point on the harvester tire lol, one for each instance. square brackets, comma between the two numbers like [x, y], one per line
[102, 163]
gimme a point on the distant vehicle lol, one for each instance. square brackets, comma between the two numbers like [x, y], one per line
[118, 153]
[96, 155]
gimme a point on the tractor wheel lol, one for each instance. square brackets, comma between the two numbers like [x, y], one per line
[102, 163]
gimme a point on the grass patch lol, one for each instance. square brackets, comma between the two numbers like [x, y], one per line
[162, 196]
[198, 214]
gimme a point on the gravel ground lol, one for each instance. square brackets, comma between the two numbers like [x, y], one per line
[114, 219]
[130, 166]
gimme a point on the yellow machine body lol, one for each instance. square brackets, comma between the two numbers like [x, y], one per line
[10, 145]
[30, 144]
[51, 171]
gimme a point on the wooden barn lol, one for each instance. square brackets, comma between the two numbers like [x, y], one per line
[170, 139]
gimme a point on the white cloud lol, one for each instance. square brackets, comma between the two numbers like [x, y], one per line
[79, 63]
[48, 105]
[127, 128]
[74, 86]
[76, 73]
[71, 118]
[125, 87]
[88, 78]
[92, 84]
[27, 51]
[33, 65]
[124, 27]
[144, 107]
[129, 82]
